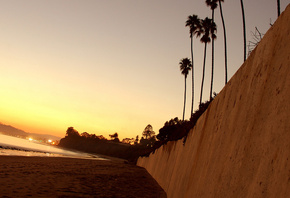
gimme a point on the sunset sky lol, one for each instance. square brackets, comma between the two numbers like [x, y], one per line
[110, 66]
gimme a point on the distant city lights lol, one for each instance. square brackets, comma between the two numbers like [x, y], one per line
[49, 141]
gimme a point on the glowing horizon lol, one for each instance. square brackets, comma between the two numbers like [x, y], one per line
[106, 67]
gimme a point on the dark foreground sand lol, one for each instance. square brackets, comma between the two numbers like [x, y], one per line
[70, 177]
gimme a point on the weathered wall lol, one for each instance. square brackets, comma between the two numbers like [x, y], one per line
[240, 146]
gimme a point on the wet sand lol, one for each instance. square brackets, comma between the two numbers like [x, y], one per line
[71, 177]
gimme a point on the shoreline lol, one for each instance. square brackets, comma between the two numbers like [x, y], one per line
[22, 176]
[18, 151]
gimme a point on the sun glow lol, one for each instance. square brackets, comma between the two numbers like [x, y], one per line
[71, 69]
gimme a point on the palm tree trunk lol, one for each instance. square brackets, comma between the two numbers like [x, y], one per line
[192, 63]
[244, 29]
[278, 7]
[184, 97]
[212, 62]
[225, 43]
[203, 71]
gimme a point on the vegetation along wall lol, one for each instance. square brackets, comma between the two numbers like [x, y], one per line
[240, 147]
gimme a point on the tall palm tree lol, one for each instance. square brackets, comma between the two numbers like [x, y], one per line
[209, 29]
[244, 28]
[278, 7]
[185, 67]
[194, 25]
[213, 5]
[225, 41]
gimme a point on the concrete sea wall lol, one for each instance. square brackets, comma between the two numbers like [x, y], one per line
[240, 147]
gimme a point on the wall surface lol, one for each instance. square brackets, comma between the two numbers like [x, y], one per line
[240, 147]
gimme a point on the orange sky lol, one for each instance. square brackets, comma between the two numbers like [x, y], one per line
[109, 66]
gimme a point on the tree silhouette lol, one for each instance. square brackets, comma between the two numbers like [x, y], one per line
[148, 142]
[128, 140]
[136, 140]
[171, 130]
[225, 41]
[209, 29]
[114, 137]
[149, 137]
[148, 132]
[86, 135]
[71, 132]
[244, 28]
[193, 22]
[185, 67]
[213, 5]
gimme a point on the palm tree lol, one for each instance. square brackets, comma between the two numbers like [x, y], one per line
[244, 29]
[194, 25]
[278, 7]
[185, 67]
[225, 42]
[213, 5]
[209, 29]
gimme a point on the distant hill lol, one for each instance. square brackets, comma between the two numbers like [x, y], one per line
[12, 131]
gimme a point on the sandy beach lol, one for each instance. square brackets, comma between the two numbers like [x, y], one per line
[71, 177]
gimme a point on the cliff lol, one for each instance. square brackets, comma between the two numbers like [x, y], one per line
[240, 147]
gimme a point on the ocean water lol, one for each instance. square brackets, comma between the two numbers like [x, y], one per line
[21, 147]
